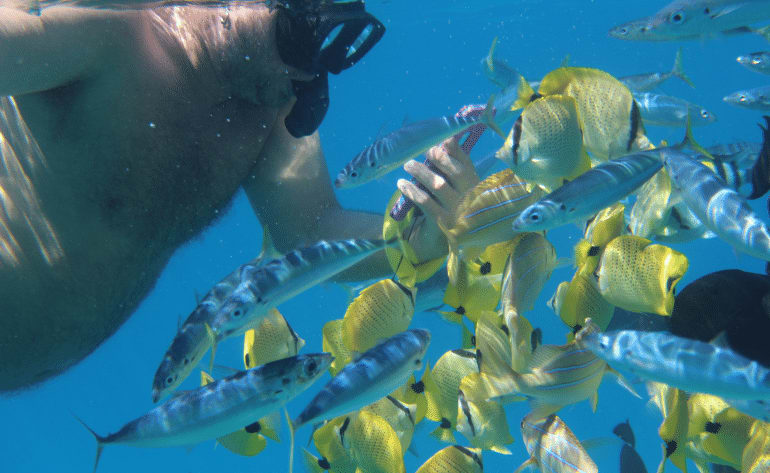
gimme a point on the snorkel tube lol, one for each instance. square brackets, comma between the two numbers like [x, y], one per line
[321, 36]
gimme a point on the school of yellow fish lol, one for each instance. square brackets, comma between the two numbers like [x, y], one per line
[578, 118]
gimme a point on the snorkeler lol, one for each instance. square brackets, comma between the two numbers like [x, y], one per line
[138, 128]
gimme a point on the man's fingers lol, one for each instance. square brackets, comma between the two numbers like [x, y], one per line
[436, 184]
[422, 199]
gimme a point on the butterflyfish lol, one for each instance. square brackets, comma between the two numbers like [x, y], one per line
[373, 444]
[271, 340]
[380, 311]
[454, 459]
[639, 276]
[484, 424]
[332, 343]
[442, 384]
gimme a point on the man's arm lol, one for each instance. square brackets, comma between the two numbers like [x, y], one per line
[292, 195]
[61, 45]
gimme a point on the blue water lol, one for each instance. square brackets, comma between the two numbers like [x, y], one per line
[426, 65]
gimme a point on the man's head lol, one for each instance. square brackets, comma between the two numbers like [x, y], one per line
[318, 37]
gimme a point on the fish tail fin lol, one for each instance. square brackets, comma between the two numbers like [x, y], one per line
[488, 117]
[213, 338]
[490, 57]
[689, 141]
[99, 441]
[291, 439]
[763, 32]
[678, 70]
[531, 462]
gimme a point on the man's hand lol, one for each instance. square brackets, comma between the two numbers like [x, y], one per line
[443, 196]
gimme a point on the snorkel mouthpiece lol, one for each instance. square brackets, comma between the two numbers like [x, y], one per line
[321, 37]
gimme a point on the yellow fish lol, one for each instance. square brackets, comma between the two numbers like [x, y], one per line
[486, 211]
[609, 116]
[477, 294]
[652, 206]
[484, 424]
[328, 442]
[454, 459]
[553, 447]
[494, 353]
[672, 403]
[400, 416]
[557, 376]
[332, 343]
[273, 339]
[579, 299]
[600, 230]
[441, 388]
[380, 311]
[756, 455]
[545, 145]
[250, 440]
[373, 444]
[530, 265]
[717, 433]
[313, 464]
[638, 276]
[413, 393]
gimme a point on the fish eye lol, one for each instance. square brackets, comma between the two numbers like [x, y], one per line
[741, 98]
[707, 11]
[623, 31]
[353, 174]
[534, 217]
[237, 312]
[677, 17]
[169, 380]
[311, 367]
[704, 113]
[603, 344]
[756, 61]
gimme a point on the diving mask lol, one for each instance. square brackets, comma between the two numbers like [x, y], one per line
[321, 37]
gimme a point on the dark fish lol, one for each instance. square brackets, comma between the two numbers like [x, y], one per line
[731, 301]
[625, 433]
[760, 173]
[630, 461]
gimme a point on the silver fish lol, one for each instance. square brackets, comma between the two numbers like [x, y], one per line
[757, 62]
[734, 163]
[665, 110]
[687, 364]
[193, 340]
[277, 280]
[392, 150]
[375, 374]
[647, 82]
[718, 206]
[497, 70]
[220, 407]
[553, 447]
[584, 196]
[695, 19]
[753, 99]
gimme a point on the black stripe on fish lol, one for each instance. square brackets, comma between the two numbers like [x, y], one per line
[504, 328]
[445, 424]
[460, 310]
[576, 329]
[343, 429]
[294, 258]
[516, 138]
[405, 290]
[418, 387]
[467, 411]
[636, 123]
[594, 250]
[324, 463]
[465, 353]
[471, 454]
[536, 339]
[720, 167]
[401, 407]
[678, 217]
[479, 356]
[760, 173]
[670, 282]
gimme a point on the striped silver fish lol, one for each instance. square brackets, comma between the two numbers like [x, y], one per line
[735, 164]
[553, 447]
[647, 82]
[757, 62]
[665, 110]
[220, 407]
[757, 98]
[686, 364]
[374, 375]
[277, 280]
[396, 148]
[193, 340]
[695, 19]
[718, 206]
[587, 194]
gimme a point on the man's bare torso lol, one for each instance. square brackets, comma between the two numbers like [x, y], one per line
[139, 158]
